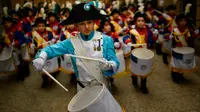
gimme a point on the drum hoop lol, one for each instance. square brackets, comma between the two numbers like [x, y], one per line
[7, 58]
[193, 50]
[104, 86]
[143, 58]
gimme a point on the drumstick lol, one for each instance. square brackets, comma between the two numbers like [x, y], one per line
[158, 11]
[54, 80]
[82, 57]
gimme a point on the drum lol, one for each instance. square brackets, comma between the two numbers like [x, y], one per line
[141, 61]
[183, 58]
[51, 65]
[66, 64]
[120, 57]
[8, 60]
[25, 53]
[167, 46]
[94, 98]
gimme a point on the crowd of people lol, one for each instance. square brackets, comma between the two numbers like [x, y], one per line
[48, 31]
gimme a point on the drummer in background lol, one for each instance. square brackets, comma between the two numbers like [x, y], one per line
[83, 16]
[64, 14]
[43, 38]
[168, 20]
[140, 35]
[118, 23]
[53, 22]
[181, 38]
[15, 38]
[107, 28]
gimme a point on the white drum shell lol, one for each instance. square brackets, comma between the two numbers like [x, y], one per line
[120, 57]
[94, 98]
[186, 61]
[143, 66]
[66, 64]
[51, 65]
[8, 60]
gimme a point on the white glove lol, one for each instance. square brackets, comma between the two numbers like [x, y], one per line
[196, 31]
[32, 46]
[38, 64]
[58, 41]
[13, 43]
[133, 26]
[149, 25]
[117, 44]
[129, 44]
[53, 41]
[105, 65]
[124, 28]
[155, 32]
[166, 16]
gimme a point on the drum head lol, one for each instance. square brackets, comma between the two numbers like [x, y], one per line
[143, 53]
[184, 50]
[6, 53]
[85, 97]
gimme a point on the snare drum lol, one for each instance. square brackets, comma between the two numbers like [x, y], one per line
[51, 65]
[8, 60]
[66, 64]
[183, 58]
[141, 61]
[120, 57]
[94, 98]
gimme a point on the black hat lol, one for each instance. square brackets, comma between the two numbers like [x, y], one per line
[26, 11]
[115, 11]
[140, 14]
[13, 12]
[171, 7]
[40, 20]
[79, 14]
[124, 9]
[8, 18]
[49, 14]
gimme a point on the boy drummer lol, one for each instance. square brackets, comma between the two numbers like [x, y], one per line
[83, 15]
[140, 35]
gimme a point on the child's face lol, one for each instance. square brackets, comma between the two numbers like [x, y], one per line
[7, 24]
[86, 27]
[41, 27]
[30, 13]
[116, 16]
[172, 12]
[140, 22]
[182, 22]
[107, 27]
[52, 19]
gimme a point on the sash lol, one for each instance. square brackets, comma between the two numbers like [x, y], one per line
[138, 37]
[117, 26]
[181, 37]
[40, 41]
[90, 65]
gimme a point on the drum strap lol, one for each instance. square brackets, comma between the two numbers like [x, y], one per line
[38, 38]
[80, 84]
[90, 65]
[181, 37]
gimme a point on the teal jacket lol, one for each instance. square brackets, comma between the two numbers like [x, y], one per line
[66, 47]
